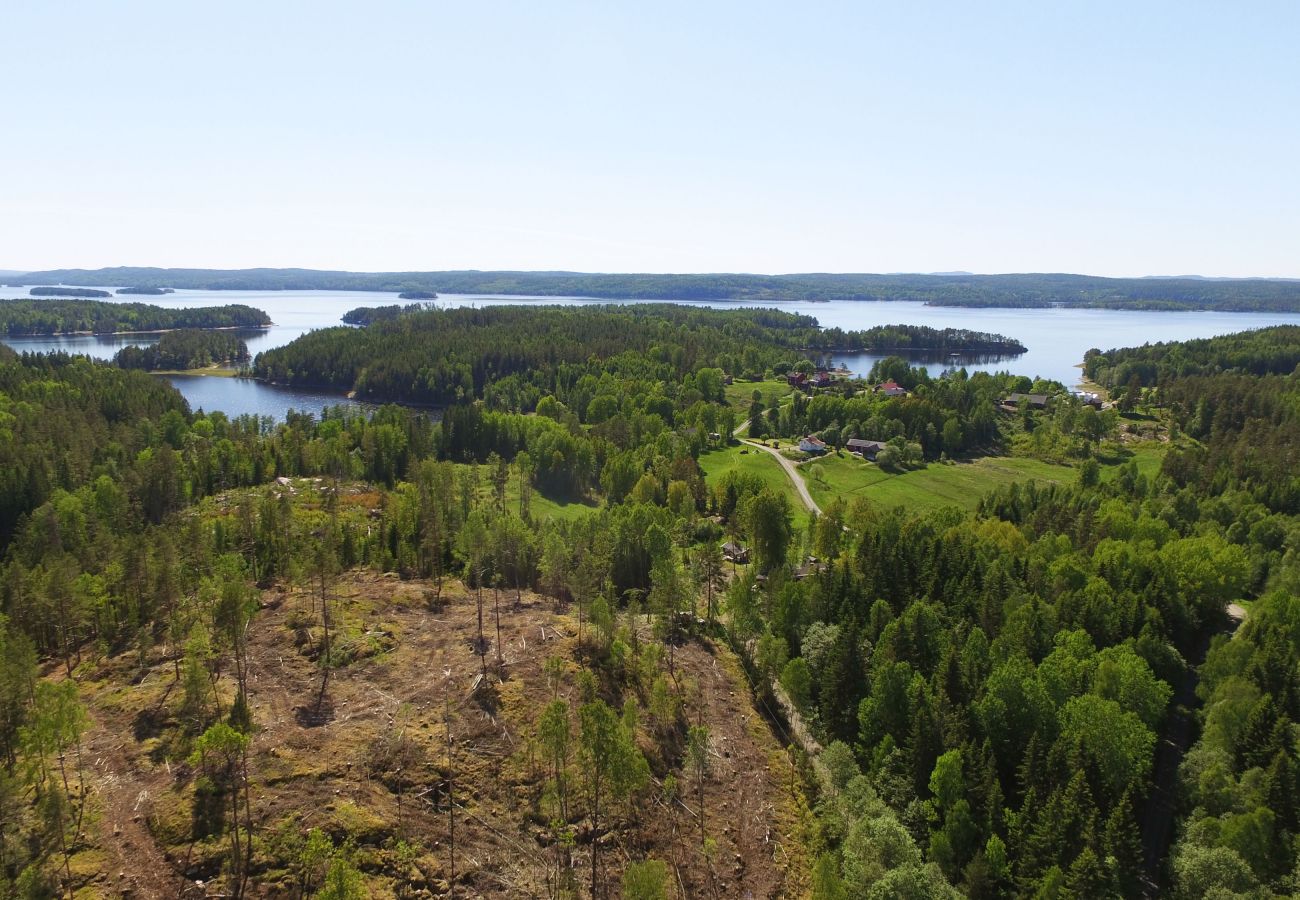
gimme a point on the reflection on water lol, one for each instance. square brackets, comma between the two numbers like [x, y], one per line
[243, 396]
[105, 346]
[99, 346]
[935, 361]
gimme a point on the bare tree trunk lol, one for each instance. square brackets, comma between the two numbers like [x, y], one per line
[496, 604]
[482, 641]
[248, 822]
[325, 643]
[451, 787]
[595, 833]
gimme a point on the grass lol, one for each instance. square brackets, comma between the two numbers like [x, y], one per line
[718, 463]
[937, 485]
[739, 393]
[961, 484]
[1148, 457]
[540, 505]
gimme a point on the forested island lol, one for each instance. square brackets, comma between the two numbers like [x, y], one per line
[417, 295]
[67, 292]
[434, 356]
[50, 317]
[954, 289]
[185, 348]
[368, 315]
[575, 638]
[145, 291]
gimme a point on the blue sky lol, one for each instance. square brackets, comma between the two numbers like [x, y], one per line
[1110, 138]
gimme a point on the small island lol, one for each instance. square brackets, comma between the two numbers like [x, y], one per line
[418, 295]
[145, 291]
[183, 350]
[67, 292]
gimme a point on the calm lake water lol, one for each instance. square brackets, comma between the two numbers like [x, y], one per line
[1056, 338]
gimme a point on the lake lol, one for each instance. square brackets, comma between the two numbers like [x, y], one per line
[1056, 338]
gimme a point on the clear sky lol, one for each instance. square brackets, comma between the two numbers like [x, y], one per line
[1113, 138]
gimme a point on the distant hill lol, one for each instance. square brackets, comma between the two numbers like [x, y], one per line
[949, 289]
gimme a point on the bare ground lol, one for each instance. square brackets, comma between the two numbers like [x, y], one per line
[371, 765]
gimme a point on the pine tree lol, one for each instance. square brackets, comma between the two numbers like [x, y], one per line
[1121, 843]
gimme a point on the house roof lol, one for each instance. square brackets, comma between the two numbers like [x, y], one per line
[862, 444]
[815, 441]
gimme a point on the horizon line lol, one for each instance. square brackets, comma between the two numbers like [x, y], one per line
[941, 273]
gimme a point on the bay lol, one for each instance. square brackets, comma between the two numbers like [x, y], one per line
[1056, 338]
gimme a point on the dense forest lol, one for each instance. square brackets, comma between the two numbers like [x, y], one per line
[1048, 697]
[40, 317]
[961, 289]
[185, 348]
[368, 315]
[1267, 351]
[517, 355]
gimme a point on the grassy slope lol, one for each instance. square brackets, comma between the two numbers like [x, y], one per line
[719, 462]
[961, 484]
[936, 485]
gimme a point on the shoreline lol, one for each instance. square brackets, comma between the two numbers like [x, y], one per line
[217, 371]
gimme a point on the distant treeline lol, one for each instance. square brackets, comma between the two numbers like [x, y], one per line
[185, 348]
[1022, 290]
[146, 291]
[40, 317]
[447, 356]
[67, 292]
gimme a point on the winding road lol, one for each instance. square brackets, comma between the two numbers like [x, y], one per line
[791, 469]
[789, 465]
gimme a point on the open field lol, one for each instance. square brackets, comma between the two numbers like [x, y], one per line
[959, 484]
[740, 393]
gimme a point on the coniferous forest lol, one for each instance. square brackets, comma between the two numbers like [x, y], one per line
[185, 348]
[511, 646]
